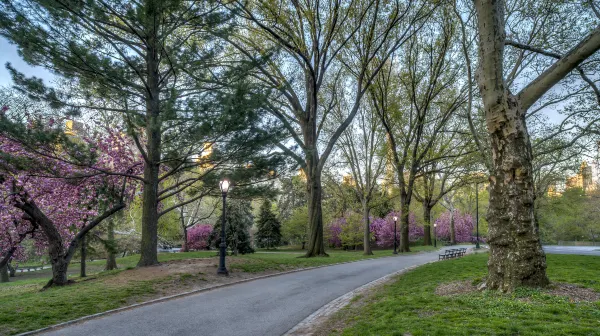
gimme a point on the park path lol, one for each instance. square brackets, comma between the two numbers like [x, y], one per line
[269, 306]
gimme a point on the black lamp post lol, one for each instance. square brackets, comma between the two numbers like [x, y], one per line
[434, 235]
[395, 237]
[477, 212]
[224, 185]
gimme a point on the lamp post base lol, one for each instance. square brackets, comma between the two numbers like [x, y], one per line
[223, 271]
[395, 252]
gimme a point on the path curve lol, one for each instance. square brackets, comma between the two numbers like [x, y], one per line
[269, 306]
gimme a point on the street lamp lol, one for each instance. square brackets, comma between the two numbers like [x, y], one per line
[477, 212]
[434, 235]
[395, 240]
[224, 185]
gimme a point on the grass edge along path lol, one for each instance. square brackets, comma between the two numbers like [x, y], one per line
[24, 308]
[409, 305]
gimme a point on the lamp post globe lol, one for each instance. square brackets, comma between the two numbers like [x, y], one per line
[434, 235]
[395, 238]
[222, 270]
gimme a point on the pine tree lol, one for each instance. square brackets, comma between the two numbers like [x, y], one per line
[237, 227]
[269, 228]
[154, 65]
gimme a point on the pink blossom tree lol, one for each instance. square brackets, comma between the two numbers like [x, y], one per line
[55, 190]
[198, 236]
[383, 229]
[335, 230]
[463, 226]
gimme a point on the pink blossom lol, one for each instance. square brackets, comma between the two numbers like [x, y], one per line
[197, 238]
[463, 226]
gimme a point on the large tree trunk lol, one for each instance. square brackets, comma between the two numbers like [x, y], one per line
[316, 246]
[367, 229]
[427, 223]
[516, 255]
[111, 260]
[452, 229]
[4, 273]
[149, 246]
[404, 212]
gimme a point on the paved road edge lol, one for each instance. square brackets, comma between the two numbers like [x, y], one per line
[307, 326]
[189, 293]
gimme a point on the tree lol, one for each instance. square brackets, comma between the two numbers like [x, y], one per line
[269, 228]
[428, 79]
[516, 257]
[454, 223]
[361, 146]
[331, 44]
[447, 168]
[239, 220]
[56, 202]
[198, 237]
[383, 229]
[155, 65]
[295, 229]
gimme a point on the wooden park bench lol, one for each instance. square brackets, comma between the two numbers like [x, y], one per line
[453, 253]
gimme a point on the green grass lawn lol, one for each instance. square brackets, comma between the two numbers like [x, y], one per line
[409, 306]
[23, 307]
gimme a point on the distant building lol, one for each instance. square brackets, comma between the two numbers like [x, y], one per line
[586, 179]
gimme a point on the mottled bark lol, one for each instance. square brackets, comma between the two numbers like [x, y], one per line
[516, 255]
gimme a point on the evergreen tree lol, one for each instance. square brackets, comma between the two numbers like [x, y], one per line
[154, 64]
[237, 227]
[269, 228]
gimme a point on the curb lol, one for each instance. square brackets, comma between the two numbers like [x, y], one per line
[189, 293]
[337, 304]
[327, 310]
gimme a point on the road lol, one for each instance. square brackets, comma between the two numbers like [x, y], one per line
[269, 306]
[581, 250]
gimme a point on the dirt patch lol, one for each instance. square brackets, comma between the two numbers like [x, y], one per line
[178, 276]
[455, 288]
[574, 293]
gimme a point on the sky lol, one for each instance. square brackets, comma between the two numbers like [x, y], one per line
[8, 53]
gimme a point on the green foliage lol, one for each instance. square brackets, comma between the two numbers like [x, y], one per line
[571, 216]
[411, 306]
[353, 232]
[269, 228]
[293, 195]
[295, 228]
[237, 229]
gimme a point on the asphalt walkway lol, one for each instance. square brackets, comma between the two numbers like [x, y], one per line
[269, 306]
